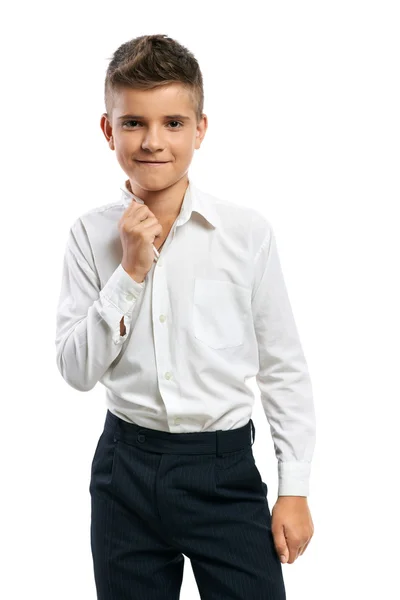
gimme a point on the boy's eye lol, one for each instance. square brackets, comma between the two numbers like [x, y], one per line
[133, 121]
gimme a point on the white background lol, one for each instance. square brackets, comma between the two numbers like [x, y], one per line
[303, 106]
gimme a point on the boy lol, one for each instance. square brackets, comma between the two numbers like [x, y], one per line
[173, 339]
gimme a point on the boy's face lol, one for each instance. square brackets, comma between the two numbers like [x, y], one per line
[149, 133]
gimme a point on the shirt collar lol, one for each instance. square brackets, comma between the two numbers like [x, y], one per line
[194, 200]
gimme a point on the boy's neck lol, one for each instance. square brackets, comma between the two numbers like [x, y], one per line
[165, 204]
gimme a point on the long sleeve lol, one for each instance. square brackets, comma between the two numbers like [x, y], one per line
[88, 318]
[283, 378]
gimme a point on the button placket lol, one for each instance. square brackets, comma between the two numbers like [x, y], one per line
[161, 312]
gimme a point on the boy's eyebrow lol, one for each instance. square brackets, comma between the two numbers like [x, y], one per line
[182, 117]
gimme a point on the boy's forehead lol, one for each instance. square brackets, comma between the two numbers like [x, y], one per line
[170, 99]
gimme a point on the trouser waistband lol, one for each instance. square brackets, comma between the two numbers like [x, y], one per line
[203, 442]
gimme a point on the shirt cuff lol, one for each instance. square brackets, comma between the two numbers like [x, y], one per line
[118, 297]
[294, 478]
[121, 290]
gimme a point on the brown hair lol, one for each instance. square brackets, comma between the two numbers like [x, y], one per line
[151, 61]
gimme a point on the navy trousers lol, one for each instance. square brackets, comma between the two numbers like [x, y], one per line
[157, 496]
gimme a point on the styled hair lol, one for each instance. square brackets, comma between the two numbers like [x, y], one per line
[150, 61]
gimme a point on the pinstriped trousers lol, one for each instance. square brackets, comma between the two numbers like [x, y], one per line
[157, 496]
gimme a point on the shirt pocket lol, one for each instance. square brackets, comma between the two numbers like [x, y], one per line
[220, 312]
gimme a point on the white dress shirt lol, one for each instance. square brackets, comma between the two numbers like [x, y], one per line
[212, 313]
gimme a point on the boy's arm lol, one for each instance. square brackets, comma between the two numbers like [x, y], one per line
[283, 378]
[92, 323]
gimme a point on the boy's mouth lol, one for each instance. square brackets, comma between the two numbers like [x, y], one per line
[150, 162]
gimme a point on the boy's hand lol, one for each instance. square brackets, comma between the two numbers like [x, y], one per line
[138, 227]
[292, 527]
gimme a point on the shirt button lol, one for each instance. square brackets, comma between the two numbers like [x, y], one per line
[167, 375]
[162, 318]
[160, 262]
[177, 420]
[129, 297]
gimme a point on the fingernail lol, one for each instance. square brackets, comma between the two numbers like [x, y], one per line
[283, 558]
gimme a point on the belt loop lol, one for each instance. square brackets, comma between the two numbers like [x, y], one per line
[253, 430]
[216, 443]
[116, 432]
